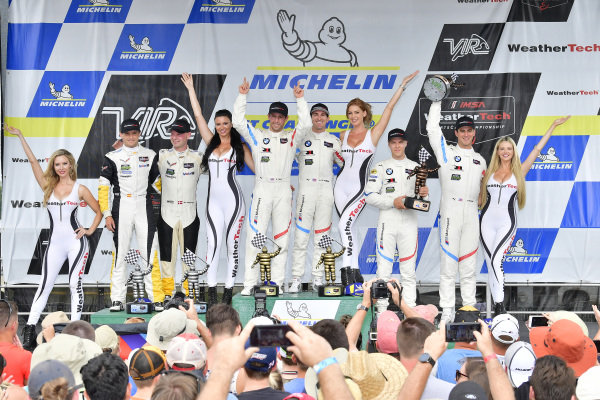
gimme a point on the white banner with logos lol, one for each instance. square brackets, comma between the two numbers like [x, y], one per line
[76, 68]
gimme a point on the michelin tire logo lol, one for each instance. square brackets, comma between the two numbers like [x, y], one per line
[111, 11]
[221, 11]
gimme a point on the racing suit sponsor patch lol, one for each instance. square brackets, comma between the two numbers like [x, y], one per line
[188, 165]
[328, 144]
[143, 159]
[264, 159]
[390, 189]
[283, 140]
[455, 177]
[308, 162]
[476, 162]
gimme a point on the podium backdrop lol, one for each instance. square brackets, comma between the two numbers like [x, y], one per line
[523, 64]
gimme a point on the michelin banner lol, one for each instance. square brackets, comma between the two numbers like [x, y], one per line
[76, 69]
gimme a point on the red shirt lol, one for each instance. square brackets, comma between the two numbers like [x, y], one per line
[18, 362]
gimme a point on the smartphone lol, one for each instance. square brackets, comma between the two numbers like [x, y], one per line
[597, 343]
[537, 320]
[462, 331]
[270, 336]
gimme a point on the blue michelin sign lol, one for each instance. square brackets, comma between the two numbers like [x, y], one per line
[558, 161]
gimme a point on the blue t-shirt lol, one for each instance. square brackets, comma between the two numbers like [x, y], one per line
[448, 363]
[295, 386]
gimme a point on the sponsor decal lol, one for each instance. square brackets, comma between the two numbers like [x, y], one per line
[306, 312]
[65, 94]
[455, 177]
[575, 92]
[390, 189]
[266, 140]
[283, 140]
[145, 47]
[221, 11]
[25, 160]
[308, 143]
[328, 144]
[35, 265]
[389, 171]
[367, 257]
[466, 47]
[529, 251]
[457, 158]
[156, 101]
[113, 11]
[558, 161]
[492, 100]
[546, 48]
[540, 10]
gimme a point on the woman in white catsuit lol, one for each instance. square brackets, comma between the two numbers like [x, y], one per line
[225, 155]
[502, 190]
[358, 147]
[67, 240]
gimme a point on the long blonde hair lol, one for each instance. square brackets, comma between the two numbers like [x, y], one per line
[515, 168]
[364, 106]
[52, 177]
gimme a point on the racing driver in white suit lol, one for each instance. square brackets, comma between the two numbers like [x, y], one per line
[273, 151]
[460, 173]
[386, 189]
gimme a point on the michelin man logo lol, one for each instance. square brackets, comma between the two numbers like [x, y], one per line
[328, 48]
[550, 155]
[144, 47]
[301, 312]
[100, 2]
[64, 94]
[518, 248]
[475, 45]
[222, 2]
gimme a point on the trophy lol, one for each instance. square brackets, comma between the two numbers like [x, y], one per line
[330, 289]
[136, 278]
[437, 87]
[417, 202]
[263, 258]
[195, 290]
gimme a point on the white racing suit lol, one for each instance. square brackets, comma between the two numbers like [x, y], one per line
[133, 175]
[460, 176]
[314, 204]
[273, 155]
[396, 228]
[178, 224]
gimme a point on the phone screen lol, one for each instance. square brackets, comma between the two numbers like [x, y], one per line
[462, 331]
[537, 320]
[270, 336]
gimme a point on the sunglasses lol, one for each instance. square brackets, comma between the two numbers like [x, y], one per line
[10, 311]
[459, 375]
[199, 378]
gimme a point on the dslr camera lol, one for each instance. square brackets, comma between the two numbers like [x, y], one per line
[379, 289]
[179, 300]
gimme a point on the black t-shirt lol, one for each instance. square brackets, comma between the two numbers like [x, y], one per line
[263, 394]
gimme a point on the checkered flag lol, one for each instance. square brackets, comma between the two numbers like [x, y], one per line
[325, 242]
[189, 258]
[259, 240]
[423, 155]
[133, 257]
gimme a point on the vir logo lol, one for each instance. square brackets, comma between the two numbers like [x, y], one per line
[474, 45]
[328, 49]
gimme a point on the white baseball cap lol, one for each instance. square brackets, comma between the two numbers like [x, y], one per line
[505, 328]
[519, 362]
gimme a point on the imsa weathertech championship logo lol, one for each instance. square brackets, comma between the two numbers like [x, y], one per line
[146, 47]
[65, 94]
[221, 11]
[98, 11]
[466, 47]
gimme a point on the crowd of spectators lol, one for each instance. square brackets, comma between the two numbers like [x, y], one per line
[405, 357]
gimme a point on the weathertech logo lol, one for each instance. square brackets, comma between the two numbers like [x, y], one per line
[575, 92]
[474, 45]
[546, 48]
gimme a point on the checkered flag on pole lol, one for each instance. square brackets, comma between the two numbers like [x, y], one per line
[259, 240]
[133, 257]
[326, 241]
[423, 155]
[189, 258]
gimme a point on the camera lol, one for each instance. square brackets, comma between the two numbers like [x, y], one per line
[462, 331]
[139, 308]
[537, 320]
[379, 290]
[270, 336]
[260, 304]
[179, 300]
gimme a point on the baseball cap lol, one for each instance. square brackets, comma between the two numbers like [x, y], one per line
[467, 314]
[181, 126]
[427, 311]
[397, 133]
[262, 360]
[146, 363]
[57, 317]
[387, 326]
[464, 121]
[130, 125]
[587, 385]
[163, 327]
[106, 338]
[278, 108]
[519, 361]
[505, 328]
[571, 316]
[319, 107]
[47, 371]
[189, 349]
[566, 340]
[467, 390]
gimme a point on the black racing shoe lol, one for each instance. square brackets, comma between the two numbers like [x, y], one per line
[358, 278]
[227, 296]
[116, 306]
[201, 293]
[346, 276]
[212, 296]
[499, 308]
[29, 337]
